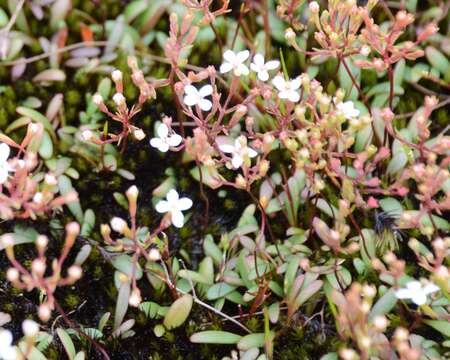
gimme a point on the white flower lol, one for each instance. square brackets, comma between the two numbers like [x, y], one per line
[7, 350]
[164, 140]
[174, 205]
[287, 89]
[197, 97]
[239, 151]
[5, 168]
[262, 68]
[235, 61]
[416, 292]
[347, 109]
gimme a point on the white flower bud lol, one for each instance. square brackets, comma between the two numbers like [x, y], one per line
[75, 272]
[132, 192]
[118, 224]
[116, 75]
[365, 50]
[154, 254]
[41, 242]
[12, 274]
[30, 328]
[97, 99]
[119, 99]
[7, 240]
[34, 127]
[135, 298]
[38, 266]
[37, 198]
[314, 7]
[87, 135]
[50, 179]
[73, 228]
[44, 312]
[139, 134]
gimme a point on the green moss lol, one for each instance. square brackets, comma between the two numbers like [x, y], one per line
[72, 301]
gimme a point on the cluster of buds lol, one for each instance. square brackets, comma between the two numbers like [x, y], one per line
[383, 43]
[36, 277]
[204, 7]
[23, 195]
[355, 324]
[133, 241]
[123, 114]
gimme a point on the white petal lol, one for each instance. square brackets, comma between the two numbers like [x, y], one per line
[4, 152]
[403, 294]
[206, 90]
[414, 285]
[162, 131]
[190, 100]
[177, 218]
[295, 84]
[205, 104]
[258, 59]
[156, 142]
[3, 175]
[226, 148]
[162, 206]
[255, 68]
[263, 75]
[241, 56]
[9, 353]
[226, 67]
[251, 153]
[279, 82]
[241, 70]
[229, 56]
[6, 337]
[419, 298]
[272, 65]
[237, 161]
[172, 196]
[430, 288]
[294, 96]
[284, 94]
[174, 140]
[184, 203]
[190, 90]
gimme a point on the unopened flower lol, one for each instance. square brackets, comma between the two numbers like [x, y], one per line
[164, 140]
[7, 350]
[97, 99]
[5, 168]
[116, 75]
[154, 254]
[347, 109]
[239, 151]
[139, 134]
[174, 205]
[118, 224]
[197, 97]
[119, 99]
[235, 61]
[87, 135]
[416, 292]
[30, 328]
[287, 89]
[262, 68]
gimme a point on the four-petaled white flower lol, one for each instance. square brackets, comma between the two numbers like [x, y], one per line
[416, 292]
[197, 97]
[164, 139]
[239, 151]
[174, 205]
[287, 89]
[347, 109]
[235, 61]
[7, 350]
[262, 68]
[5, 168]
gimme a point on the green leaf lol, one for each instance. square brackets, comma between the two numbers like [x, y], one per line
[215, 337]
[65, 187]
[150, 309]
[124, 264]
[219, 290]
[178, 312]
[67, 343]
[437, 60]
[194, 276]
[384, 304]
[440, 325]
[211, 249]
[121, 304]
[251, 341]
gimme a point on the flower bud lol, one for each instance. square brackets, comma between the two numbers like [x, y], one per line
[30, 328]
[41, 242]
[135, 298]
[75, 272]
[87, 135]
[12, 275]
[7, 240]
[119, 99]
[154, 254]
[116, 75]
[97, 99]
[314, 7]
[50, 179]
[139, 134]
[118, 224]
[44, 312]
